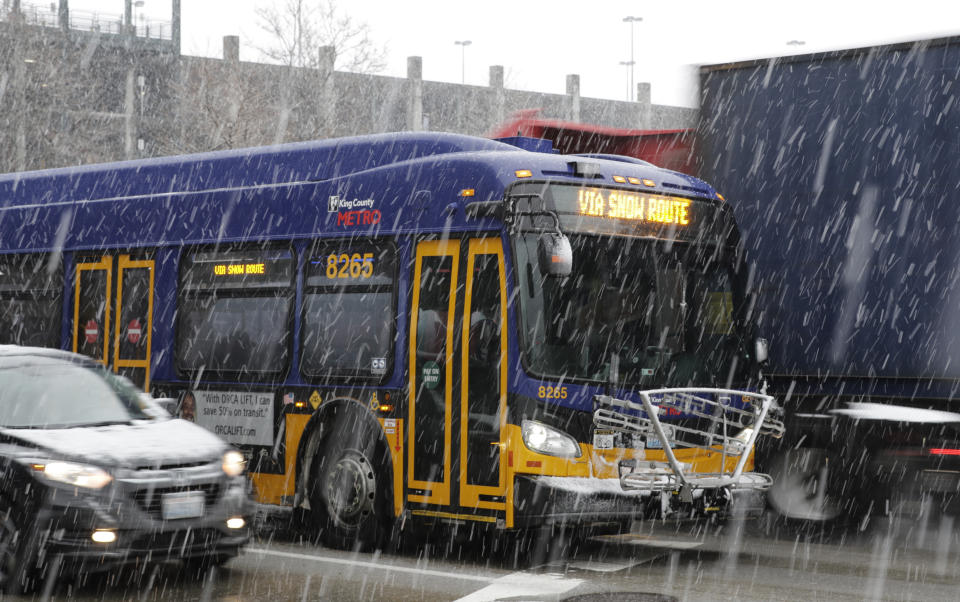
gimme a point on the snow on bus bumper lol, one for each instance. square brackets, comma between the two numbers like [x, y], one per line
[540, 500]
[545, 499]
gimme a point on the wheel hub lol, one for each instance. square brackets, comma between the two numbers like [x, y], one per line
[350, 487]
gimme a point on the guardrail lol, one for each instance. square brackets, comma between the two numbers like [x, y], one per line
[47, 16]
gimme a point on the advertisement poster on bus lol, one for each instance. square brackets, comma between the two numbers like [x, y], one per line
[239, 417]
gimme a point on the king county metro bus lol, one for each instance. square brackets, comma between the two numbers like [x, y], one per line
[415, 326]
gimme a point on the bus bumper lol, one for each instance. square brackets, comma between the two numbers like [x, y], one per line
[586, 501]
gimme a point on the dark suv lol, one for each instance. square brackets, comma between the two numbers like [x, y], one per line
[95, 474]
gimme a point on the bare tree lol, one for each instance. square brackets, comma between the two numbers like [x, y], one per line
[298, 29]
[219, 105]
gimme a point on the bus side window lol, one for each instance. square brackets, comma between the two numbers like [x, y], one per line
[234, 310]
[31, 298]
[349, 315]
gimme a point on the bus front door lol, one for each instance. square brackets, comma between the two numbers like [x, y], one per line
[430, 406]
[483, 396]
[457, 376]
[113, 313]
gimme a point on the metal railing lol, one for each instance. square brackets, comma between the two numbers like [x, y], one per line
[726, 421]
[47, 15]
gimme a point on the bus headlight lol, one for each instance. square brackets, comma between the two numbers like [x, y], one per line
[234, 463]
[547, 440]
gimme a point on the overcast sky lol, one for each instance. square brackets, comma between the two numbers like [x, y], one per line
[539, 42]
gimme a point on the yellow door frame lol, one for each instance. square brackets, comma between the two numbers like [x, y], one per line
[105, 264]
[470, 494]
[124, 262]
[437, 492]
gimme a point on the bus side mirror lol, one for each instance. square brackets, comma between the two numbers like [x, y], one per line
[554, 254]
[761, 350]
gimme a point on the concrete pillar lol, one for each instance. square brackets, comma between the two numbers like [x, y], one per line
[414, 93]
[129, 116]
[498, 106]
[20, 104]
[63, 15]
[231, 48]
[328, 93]
[128, 17]
[18, 92]
[231, 56]
[175, 24]
[644, 112]
[573, 97]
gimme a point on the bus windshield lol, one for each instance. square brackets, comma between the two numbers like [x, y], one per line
[634, 312]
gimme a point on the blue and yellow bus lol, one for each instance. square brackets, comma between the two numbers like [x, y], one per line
[415, 326]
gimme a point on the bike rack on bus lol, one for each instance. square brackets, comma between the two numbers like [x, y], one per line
[725, 420]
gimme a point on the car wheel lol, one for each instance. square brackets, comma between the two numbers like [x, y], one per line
[348, 496]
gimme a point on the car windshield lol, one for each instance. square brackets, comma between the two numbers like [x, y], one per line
[41, 392]
[633, 311]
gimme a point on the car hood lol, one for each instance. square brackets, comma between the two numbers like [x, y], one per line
[144, 443]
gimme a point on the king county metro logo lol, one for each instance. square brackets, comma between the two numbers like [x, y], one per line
[336, 203]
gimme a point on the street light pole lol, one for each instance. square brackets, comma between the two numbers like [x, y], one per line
[463, 59]
[632, 21]
[629, 78]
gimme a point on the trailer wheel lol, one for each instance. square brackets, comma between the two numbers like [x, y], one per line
[348, 491]
[800, 486]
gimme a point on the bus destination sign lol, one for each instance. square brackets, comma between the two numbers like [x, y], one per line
[239, 269]
[633, 206]
[623, 212]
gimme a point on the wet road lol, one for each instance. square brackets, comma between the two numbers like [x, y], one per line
[745, 561]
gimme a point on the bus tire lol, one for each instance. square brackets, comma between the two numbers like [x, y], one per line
[349, 487]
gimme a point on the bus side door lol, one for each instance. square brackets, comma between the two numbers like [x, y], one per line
[113, 313]
[458, 375]
[430, 407]
[483, 397]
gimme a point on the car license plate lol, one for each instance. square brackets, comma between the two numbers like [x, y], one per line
[184, 504]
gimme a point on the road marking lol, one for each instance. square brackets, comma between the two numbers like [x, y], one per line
[522, 585]
[649, 541]
[371, 565]
[603, 567]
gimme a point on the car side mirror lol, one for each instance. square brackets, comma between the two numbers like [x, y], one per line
[761, 350]
[554, 254]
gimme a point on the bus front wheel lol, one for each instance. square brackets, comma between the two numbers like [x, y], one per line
[348, 495]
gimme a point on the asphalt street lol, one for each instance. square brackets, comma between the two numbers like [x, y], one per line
[890, 560]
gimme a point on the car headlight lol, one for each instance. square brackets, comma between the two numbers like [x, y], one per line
[78, 475]
[545, 439]
[234, 463]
